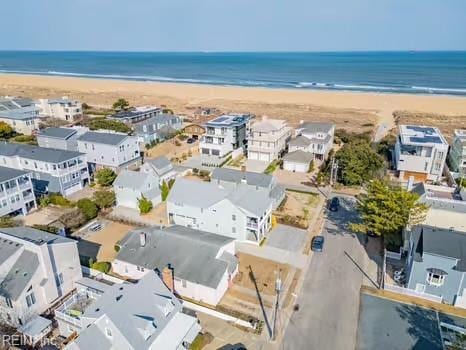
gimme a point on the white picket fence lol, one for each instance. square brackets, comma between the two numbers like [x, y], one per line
[393, 255]
[411, 292]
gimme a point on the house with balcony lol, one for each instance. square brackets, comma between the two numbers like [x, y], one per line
[157, 128]
[225, 134]
[136, 114]
[203, 264]
[20, 113]
[239, 211]
[37, 269]
[131, 186]
[52, 170]
[60, 138]
[436, 263]
[457, 155]
[315, 138]
[126, 316]
[231, 178]
[111, 150]
[60, 108]
[420, 152]
[268, 139]
[16, 192]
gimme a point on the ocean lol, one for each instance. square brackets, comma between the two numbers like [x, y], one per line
[405, 72]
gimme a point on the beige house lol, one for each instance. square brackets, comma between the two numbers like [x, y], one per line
[268, 139]
[20, 114]
[60, 108]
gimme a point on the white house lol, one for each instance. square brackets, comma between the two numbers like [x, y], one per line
[225, 134]
[130, 186]
[60, 138]
[315, 138]
[60, 108]
[126, 316]
[20, 113]
[298, 161]
[136, 114]
[201, 265]
[420, 151]
[53, 170]
[457, 155]
[161, 167]
[111, 150]
[37, 269]
[268, 139]
[242, 212]
[16, 192]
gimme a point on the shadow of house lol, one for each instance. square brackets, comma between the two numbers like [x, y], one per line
[88, 250]
[237, 346]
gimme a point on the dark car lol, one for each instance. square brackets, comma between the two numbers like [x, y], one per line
[190, 140]
[334, 204]
[317, 243]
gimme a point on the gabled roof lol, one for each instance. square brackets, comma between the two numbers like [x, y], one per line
[106, 138]
[35, 236]
[19, 276]
[137, 181]
[58, 133]
[443, 242]
[49, 155]
[300, 141]
[268, 125]
[236, 176]
[299, 157]
[316, 127]
[161, 165]
[10, 173]
[191, 253]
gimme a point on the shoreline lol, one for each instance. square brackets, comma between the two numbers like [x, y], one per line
[349, 109]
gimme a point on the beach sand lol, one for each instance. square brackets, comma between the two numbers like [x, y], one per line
[355, 111]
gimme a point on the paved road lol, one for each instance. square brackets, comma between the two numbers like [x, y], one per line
[329, 300]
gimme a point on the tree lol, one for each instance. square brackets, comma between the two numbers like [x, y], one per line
[7, 221]
[73, 219]
[105, 176]
[386, 209]
[6, 131]
[144, 205]
[120, 104]
[358, 163]
[88, 207]
[104, 199]
[165, 190]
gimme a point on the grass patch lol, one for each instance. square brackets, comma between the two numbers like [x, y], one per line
[201, 341]
[272, 167]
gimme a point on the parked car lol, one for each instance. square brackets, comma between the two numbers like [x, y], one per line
[95, 227]
[190, 140]
[334, 204]
[317, 244]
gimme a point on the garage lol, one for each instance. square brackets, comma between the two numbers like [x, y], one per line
[253, 155]
[73, 189]
[265, 157]
[297, 161]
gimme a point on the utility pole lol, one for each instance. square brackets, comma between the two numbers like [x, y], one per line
[335, 171]
[332, 167]
[278, 287]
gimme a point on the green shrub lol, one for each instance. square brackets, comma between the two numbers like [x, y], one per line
[102, 266]
[108, 124]
[25, 139]
[117, 247]
[165, 190]
[46, 228]
[104, 199]
[58, 199]
[88, 207]
[105, 176]
[144, 205]
[44, 201]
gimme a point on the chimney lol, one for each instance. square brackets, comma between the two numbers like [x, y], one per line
[167, 277]
[409, 186]
[142, 239]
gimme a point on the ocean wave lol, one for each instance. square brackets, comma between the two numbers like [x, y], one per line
[444, 90]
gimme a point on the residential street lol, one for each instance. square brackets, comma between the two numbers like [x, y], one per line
[329, 300]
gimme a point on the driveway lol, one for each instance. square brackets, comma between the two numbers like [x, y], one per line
[287, 237]
[329, 300]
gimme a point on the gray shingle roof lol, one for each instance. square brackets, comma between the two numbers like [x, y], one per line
[50, 155]
[106, 138]
[7, 249]
[235, 176]
[441, 242]
[19, 275]
[161, 165]
[299, 157]
[35, 236]
[191, 253]
[10, 173]
[58, 133]
[137, 180]
[300, 141]
[316, 127]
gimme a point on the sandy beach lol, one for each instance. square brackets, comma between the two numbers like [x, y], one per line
[352, 110]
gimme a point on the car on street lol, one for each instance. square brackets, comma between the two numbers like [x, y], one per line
[334, 204]
[190, 140]
[317, 244]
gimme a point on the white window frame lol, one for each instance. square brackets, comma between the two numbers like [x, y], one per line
[430, 279]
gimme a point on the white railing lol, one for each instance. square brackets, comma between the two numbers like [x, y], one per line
[411, 292]
[100, 275]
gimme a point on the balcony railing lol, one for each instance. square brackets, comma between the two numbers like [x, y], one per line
[253, 225]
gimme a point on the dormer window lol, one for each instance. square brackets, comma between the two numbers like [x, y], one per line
[435, 277]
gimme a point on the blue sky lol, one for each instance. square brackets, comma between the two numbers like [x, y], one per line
[233, 25]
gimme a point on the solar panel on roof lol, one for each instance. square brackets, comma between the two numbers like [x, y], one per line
[426, 130]
[219, 120]
[426, 139]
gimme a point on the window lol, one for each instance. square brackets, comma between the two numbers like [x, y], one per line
[183, 283]
[108, 332]
[59, 279]
[233, 229]
[30, 299]
[233, 217]
[8, 302]
[435, 277]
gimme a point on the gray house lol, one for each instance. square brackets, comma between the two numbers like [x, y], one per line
[436, 262]
[161, 167]
[231, 178]
[157, 128]
[60, 138]
[130, 186]
[16, 192]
